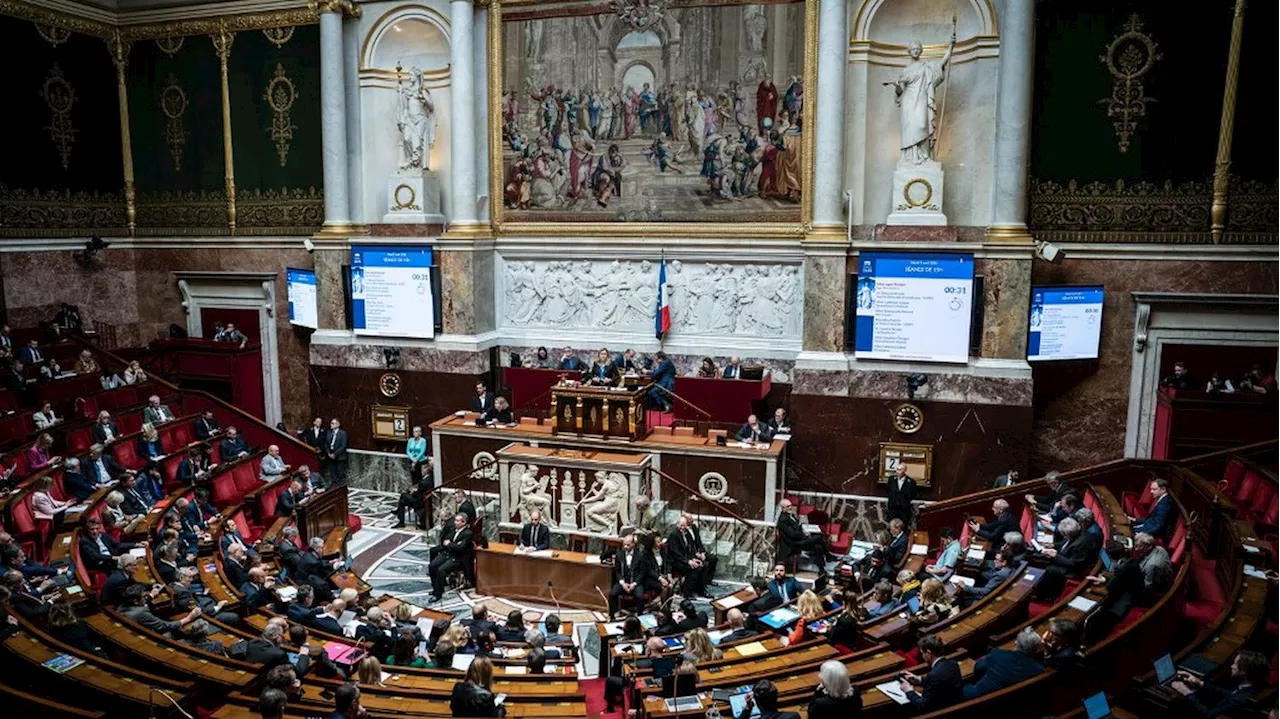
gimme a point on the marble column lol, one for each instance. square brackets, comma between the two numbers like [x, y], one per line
[351, 96]
[480, 80]
[333, 115]
[828, 175]
[1013, 123]
[462, 141]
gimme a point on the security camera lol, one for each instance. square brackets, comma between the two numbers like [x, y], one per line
[391, 355]
[1047, 251]
[914, 383]
[309, 245]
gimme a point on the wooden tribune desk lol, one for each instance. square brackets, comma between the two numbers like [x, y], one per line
[605, 411]
[503, 573]
[322, 512]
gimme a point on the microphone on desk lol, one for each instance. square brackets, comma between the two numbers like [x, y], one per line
[601, 593]
[551, 588]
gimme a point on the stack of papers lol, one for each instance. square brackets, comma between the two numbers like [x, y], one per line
[594, 559]
[513, 669]
[1082, 604]
[975, 555]
[612, 629]
[729, 602]
[287, 594]
[1252, 571]
[920, 549]
[751, 649]
[684, 704]
[463, 661]
[425, 625]
[139, 552]
[965, 581]
[893, 691]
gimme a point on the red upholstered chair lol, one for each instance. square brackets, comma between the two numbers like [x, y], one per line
[1232, 476]
[267, 502]
[1136, 505]
[78, 440]
[1249, 484]
[59, 490]
[87, 407]
[181, 434]
[215, 452]
[224, 491]
[126, 454]
[169, 468]
[1178, 541]
[28, 529]
[245, 478]
[130, 422]
[1262, 503]
[21, 469]
[1027, 525]
[819, 517]
[839, 539]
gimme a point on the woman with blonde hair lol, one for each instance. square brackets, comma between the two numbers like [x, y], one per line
[43, 505]
[40, 454]
[113, 517]
[369, 671]
[86, 364]
[698, 643]
[149, 446]
[834, 697]
[810, 608]
[457, 635]
[133, 374]
[473, 696]
[935, 605]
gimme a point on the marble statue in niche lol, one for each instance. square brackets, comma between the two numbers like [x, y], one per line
[915, 93]
[534, 496]
[754, 21]
[716, 299]
[416, 120]
[604, 506]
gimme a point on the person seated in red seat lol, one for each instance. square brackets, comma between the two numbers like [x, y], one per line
[155, 413]
[134, 374]
[1258, 381]
[1248, 678]
[98, 550]
[30, 353]
[46, 417]
[40, 454]
[24, 598]
[1125, 587]
[43, 505]
[1061, 644]
[764, 696]
[273, 466]
[1180, 379]
[149, 446]
[630, 574]
[120, 579]
[233, 445]
[754, 431]
[77, 483]
[1162, 515]
[105, 430]
[207, 426]
[102, 468]
[994, 531]
[288, 501]
[257, 589]
[151, 482]
[1157, 568]
[1002, 668]
[195, 467]
[13, 377]
[942, 686]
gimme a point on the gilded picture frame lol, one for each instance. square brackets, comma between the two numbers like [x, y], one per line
[917, 457]
[390, 422]
[502, 225]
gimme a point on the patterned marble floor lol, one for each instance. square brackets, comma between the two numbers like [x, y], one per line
[395, 561]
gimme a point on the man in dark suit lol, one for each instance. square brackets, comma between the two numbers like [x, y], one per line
[315, 434]
[234, 566]
[941, 687]
[1160, 519]
[482, 401]
[781, 423]
[101, 468]
[315, 570]
[1249, 676]
[630, 572]
[898, 545]
[207, 426]
[327, 621]
[754, 431]
[266, 649]
[257, 590]
[120, 579]
[415, 497]
[664, 376]
[994, 530]
[76, 482]
[136, 502]
[105, 429]
[302, 609]
[901, 490]
[479, 623]
[793, 539]
[1001, 570]
[690, 558]
[534, 534]
[31, 354]
[570, 362]
[287, 550]
[455, 551]
[693, 619]
[1061, 644]
[287, 504]
[785, 588]
[626, 361]
[1071, 552]
[1125, 585]
[737, 626]
[335, 453]
[1002, 668]
[97, 549]
[732, 370]
[764, 696]
[1044, 502]
[1008, 479]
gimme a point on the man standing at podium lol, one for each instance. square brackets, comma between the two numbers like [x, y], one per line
[630, 572]
[534, 536]
[456, 551]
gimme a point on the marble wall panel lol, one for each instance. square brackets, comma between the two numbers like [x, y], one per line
[1081, 407]
[330, 302]
[105, 288]
[458, 292]
[412, 359]
[1007, 294]
[824, 303]
[348, 393]
[836, 441]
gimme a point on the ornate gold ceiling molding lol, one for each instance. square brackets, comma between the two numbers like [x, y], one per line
[301, 15]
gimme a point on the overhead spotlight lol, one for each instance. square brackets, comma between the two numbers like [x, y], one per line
[92, 247]
[391, 355]
[914, 382]
[1048, 251]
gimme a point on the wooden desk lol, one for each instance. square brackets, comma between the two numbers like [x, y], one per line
[503, 573]
[605, 411]
[322, 512]
[737, 600]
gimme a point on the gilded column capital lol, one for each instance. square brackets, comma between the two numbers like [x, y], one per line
[222, 40]
[346, 7]
[119, 45]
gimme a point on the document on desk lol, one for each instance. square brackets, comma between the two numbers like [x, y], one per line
[966, 581]
[612, 629]
[894, 692]
[920, 549]
[541, 553]
[751, 649]
[139, 552]
[729, 602]
[975, 554]
[425, 625]
[1082, 604]
[463, 661]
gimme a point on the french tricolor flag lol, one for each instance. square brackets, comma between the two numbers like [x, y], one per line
[662, 318]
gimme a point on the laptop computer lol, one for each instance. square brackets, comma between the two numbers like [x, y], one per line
[913, 604]
[1165, 671]
[1096, 707]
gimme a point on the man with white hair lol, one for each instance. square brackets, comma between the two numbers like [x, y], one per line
[1072, 551]
[1157, 569]
[273, 466]
[733, 370]
[1002, 668]
[994, 531]
[105, 429]
[314, 570]
[155, 413]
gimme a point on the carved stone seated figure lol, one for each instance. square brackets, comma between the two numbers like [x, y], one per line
[534, 496]
[605, 502]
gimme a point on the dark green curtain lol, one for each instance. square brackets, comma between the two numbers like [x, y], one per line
[31, 158]
[194, 69]
[1073, 138]
[253, 67]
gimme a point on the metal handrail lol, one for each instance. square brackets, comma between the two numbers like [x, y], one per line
[697, 493]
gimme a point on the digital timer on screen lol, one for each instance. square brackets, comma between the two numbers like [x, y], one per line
[1065, 323]
[913, 306]
[391, 291]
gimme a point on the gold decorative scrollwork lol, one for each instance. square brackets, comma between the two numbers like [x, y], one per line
[32, 213]
[1129, 57]
[405, 198]
[280, 95]
[280, 212]
[1148, 212]
[170, 45]
[173, 103]
[53, 34]
[60, 97]
[278, 36]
